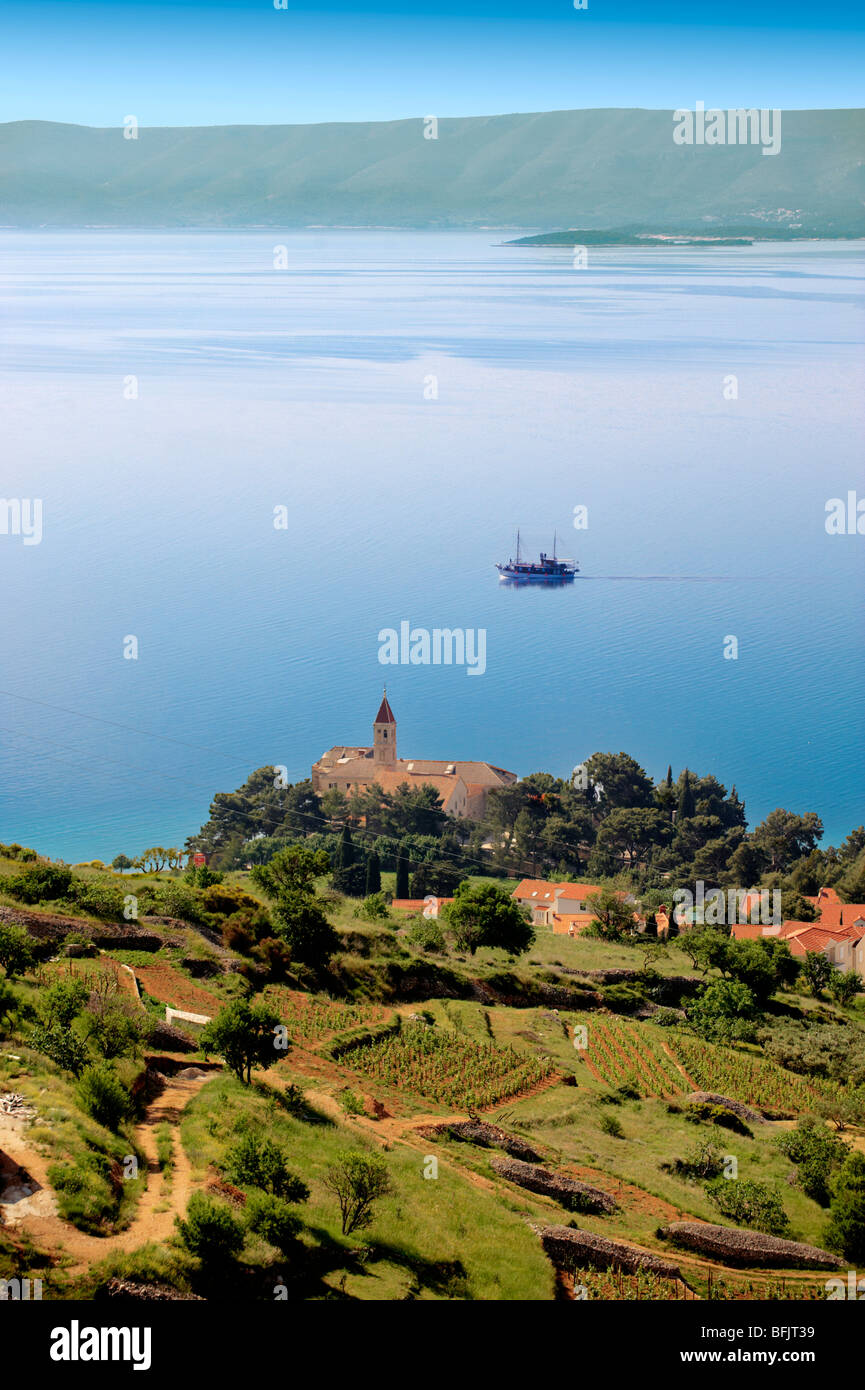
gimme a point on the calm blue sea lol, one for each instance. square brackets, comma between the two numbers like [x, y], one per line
[410, 399]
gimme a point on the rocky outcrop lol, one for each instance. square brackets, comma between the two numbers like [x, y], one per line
[576, 1196]
[488, 1136]
[737, 1247]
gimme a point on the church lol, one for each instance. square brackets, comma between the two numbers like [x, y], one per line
[462, 786]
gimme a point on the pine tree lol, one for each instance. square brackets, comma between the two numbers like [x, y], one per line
[402, 868]
[373, 874]
[687, 804]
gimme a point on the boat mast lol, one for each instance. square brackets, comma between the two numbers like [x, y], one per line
[518, 547]
[554, 544]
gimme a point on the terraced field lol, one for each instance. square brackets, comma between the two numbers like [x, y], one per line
[310, 1017]
[622, 1053]
[754, 1080]
[447, 1066]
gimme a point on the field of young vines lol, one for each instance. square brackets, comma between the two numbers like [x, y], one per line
[310, 1017]
[754, 1080]
[447, 1066]
[628, 1054]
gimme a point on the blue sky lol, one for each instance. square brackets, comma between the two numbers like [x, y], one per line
[243, 61]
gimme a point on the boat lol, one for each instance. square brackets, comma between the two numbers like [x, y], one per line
[548, 569]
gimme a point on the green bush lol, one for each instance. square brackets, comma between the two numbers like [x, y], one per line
[98, 899]
[427, 935]
[16, 951]
[273, 1219]
[210, 1232]
[42, 883]
[102, 1095]
[351, 1102]
[63, 1001]
[63, 1046]
[700, 1111]
[256, 1161]
[610, 1124]
[846, 1229]
[84, 1194]
[747, 1203]
[817, 1155]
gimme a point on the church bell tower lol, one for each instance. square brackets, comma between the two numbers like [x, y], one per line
[384, 735]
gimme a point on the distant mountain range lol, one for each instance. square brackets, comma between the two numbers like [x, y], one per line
[558, 169]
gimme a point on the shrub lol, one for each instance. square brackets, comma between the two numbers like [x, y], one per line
[817, 1154]
[63, 1001]
[610, 1124]
[373, 908]
[224, 899]
[42, 883]
[84, 1194]
[426, 933]
[210, 1231]
[256, 1161]
[700, 1111]
[102, 1095]
[61, 1045]
[846, 1229]
[16, 952]
[703, 1163]
[273, 1219]
[99, 899]
[747, 1203]
[666, 1018]
[351, 1102]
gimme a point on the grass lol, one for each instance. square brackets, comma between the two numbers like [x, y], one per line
[438, 1238]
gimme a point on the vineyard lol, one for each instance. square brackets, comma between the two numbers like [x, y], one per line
[628, 1054]
[752, 1079]
[310, 1017]
[447, 1067]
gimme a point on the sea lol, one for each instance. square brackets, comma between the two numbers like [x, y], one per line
[232, 460]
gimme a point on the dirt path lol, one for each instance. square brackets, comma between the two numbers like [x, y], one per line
[37, 1216]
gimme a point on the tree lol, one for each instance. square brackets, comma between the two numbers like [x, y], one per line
[633, 831]
[301, 922]
[357, 1180]
[210, 1231]
[487, 915]
[687, 807]
[764, 964]
[350, 880]
[41, 883]
[844, 985]
[103, 1096]
[63, 1001]
[244, 1034]
[796, 908]
[345, 855]
[373, 874]
[846, 1229]
[293, 869]
[402, 873]
[620, 780]
[612, 916]
[61, 1045]
[724, 1012]
[15, 950]
[121, 861]
[816, 972]
[786, 837]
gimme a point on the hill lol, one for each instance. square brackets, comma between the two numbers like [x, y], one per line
[592, 168]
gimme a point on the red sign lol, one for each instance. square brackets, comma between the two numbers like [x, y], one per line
[199, 859]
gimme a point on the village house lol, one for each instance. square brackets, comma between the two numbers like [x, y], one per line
[839, 932]
[562, 907]
[462, 785]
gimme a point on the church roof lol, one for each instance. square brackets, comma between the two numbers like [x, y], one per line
[385, 713]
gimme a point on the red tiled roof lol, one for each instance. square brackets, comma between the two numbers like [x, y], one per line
[540, 891]
[416, 904]
[385, 713]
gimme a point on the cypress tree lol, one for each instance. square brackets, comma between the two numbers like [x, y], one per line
[373, 874]
[670, 775]
[401, 874]
[345, 851]
[687, 804]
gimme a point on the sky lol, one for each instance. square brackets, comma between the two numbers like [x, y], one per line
[207, 62]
